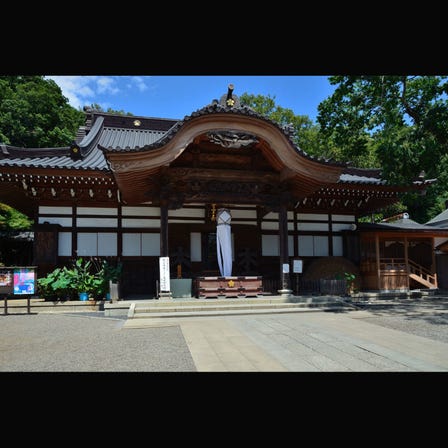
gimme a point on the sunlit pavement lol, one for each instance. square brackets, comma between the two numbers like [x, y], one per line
[314, 342]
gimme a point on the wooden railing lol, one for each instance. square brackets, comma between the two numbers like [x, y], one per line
[414, 270]
[392, 264]
[422, 273]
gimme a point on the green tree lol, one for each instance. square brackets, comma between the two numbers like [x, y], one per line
[109, 110]
[12, 219]
[306, 132]
[34, 113]
[399, 121]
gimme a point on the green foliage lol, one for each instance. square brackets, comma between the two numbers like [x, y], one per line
[56, 285]
[349, 277]
[109, 110]
[83, 280]
[12, 219]
[350, 281]
[106, 272]
[401, 122]
[34, 113]
[306, 136]
[82, 276]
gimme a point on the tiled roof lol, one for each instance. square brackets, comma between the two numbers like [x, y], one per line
[94, 161]
[352, 175]
[121, 133]
[359, 179]
[441, 219]
[149, 131]
[128, 138]
[399, 224]
[215, 108]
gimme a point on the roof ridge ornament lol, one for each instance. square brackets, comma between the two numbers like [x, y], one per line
[75, 151]
[229, 99]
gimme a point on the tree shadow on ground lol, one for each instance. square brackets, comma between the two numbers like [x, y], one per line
[433, 311]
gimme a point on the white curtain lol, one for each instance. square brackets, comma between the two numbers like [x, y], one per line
[224, 241]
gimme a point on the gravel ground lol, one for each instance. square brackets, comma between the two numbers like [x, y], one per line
[427, 318]
[86, 343]
[435, 327]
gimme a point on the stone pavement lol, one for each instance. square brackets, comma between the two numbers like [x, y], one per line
[305, 342]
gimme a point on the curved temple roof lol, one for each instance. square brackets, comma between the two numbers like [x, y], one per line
[110, 143]
[118, 134]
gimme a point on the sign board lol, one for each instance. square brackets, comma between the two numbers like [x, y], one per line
[297, 266]
[164, 268]
[6, 280]
[285, 268]
[23, 281]
[17, 280]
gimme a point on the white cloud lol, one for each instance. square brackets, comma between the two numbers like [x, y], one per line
[83, 90]
[79, 90]
[139, 83]
[106, 84]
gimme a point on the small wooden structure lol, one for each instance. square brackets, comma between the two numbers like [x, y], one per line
[398, 255]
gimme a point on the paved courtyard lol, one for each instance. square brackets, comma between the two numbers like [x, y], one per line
[411, 336]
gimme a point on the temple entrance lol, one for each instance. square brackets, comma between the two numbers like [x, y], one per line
[210, 256]
[139, 278]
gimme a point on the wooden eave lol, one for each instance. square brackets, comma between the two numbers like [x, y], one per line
[357, 198]
[21, 187]
[133, 168]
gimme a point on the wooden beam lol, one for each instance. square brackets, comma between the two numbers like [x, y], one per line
[164, 229]
[377, 255]
[284, 256]
[406, 260]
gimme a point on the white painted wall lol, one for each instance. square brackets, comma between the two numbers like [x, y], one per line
[140, 211]
[43, 209]
[150, 244]
[96, 222]
[270, 245]
[64, 222]
[65, 244]
[195, 246]
[103, 211]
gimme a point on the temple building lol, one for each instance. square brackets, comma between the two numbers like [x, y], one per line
[136, 189]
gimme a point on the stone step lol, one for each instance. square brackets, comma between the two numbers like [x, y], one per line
[213, 308]
[228, 312]
[226, 301]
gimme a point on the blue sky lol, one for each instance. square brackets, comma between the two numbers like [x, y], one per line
[177, 96]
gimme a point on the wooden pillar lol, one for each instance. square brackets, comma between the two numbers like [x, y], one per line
[165, 287]
[433, 257]
[434, 265]
[120, 232]
[330, 234]
[45, 247]
[284, 256]
[74, 232]
[164, 230]
[377, 256]
[406, 260]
